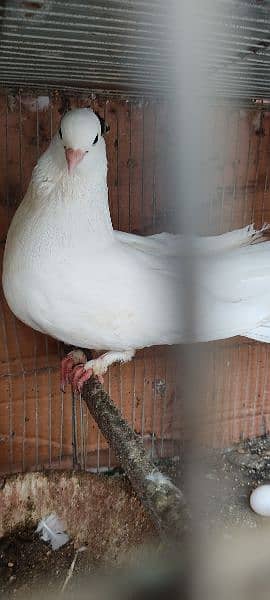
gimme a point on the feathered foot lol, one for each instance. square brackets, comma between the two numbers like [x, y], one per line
[97, 367]
[73, 358]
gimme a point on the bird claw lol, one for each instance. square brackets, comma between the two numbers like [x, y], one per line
[80, 375]
[68, 364]
[66, 369]
[78, 379]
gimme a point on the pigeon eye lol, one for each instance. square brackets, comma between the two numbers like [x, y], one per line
[60, 133]
[95, 140]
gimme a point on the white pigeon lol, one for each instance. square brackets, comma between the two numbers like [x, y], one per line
[68, 274]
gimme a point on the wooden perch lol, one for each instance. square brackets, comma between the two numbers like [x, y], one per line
[157, 493]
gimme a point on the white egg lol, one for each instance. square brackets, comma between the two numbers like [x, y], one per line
[260, 500]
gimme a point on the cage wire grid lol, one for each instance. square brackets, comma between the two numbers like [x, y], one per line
[237, 397]
[122, 50]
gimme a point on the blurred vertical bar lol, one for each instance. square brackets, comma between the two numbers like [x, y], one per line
[191, 117]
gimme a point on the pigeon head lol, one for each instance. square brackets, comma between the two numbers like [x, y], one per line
[81, 132]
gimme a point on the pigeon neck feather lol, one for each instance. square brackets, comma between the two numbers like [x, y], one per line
[78, 202]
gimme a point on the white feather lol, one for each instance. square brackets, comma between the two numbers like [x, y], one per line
[167, 244]
[159, 479]
[52, 530]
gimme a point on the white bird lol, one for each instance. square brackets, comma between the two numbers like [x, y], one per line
[68, 274]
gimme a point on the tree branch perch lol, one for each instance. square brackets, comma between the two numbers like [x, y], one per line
[158, 494]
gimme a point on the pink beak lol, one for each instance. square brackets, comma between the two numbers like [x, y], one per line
[73, 157]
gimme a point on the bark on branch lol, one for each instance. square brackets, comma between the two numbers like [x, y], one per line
[158, 494]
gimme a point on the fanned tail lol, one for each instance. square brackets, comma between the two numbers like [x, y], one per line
[168, 244]
[227, 241]
[260, 334]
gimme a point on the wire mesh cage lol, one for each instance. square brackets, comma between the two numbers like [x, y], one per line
[184, 89]
[36, 418]
[123, 51]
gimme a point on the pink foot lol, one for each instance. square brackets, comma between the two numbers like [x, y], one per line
[76, 357]
[80, 375]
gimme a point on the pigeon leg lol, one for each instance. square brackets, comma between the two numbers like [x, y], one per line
[97, 367]
[75, 357]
